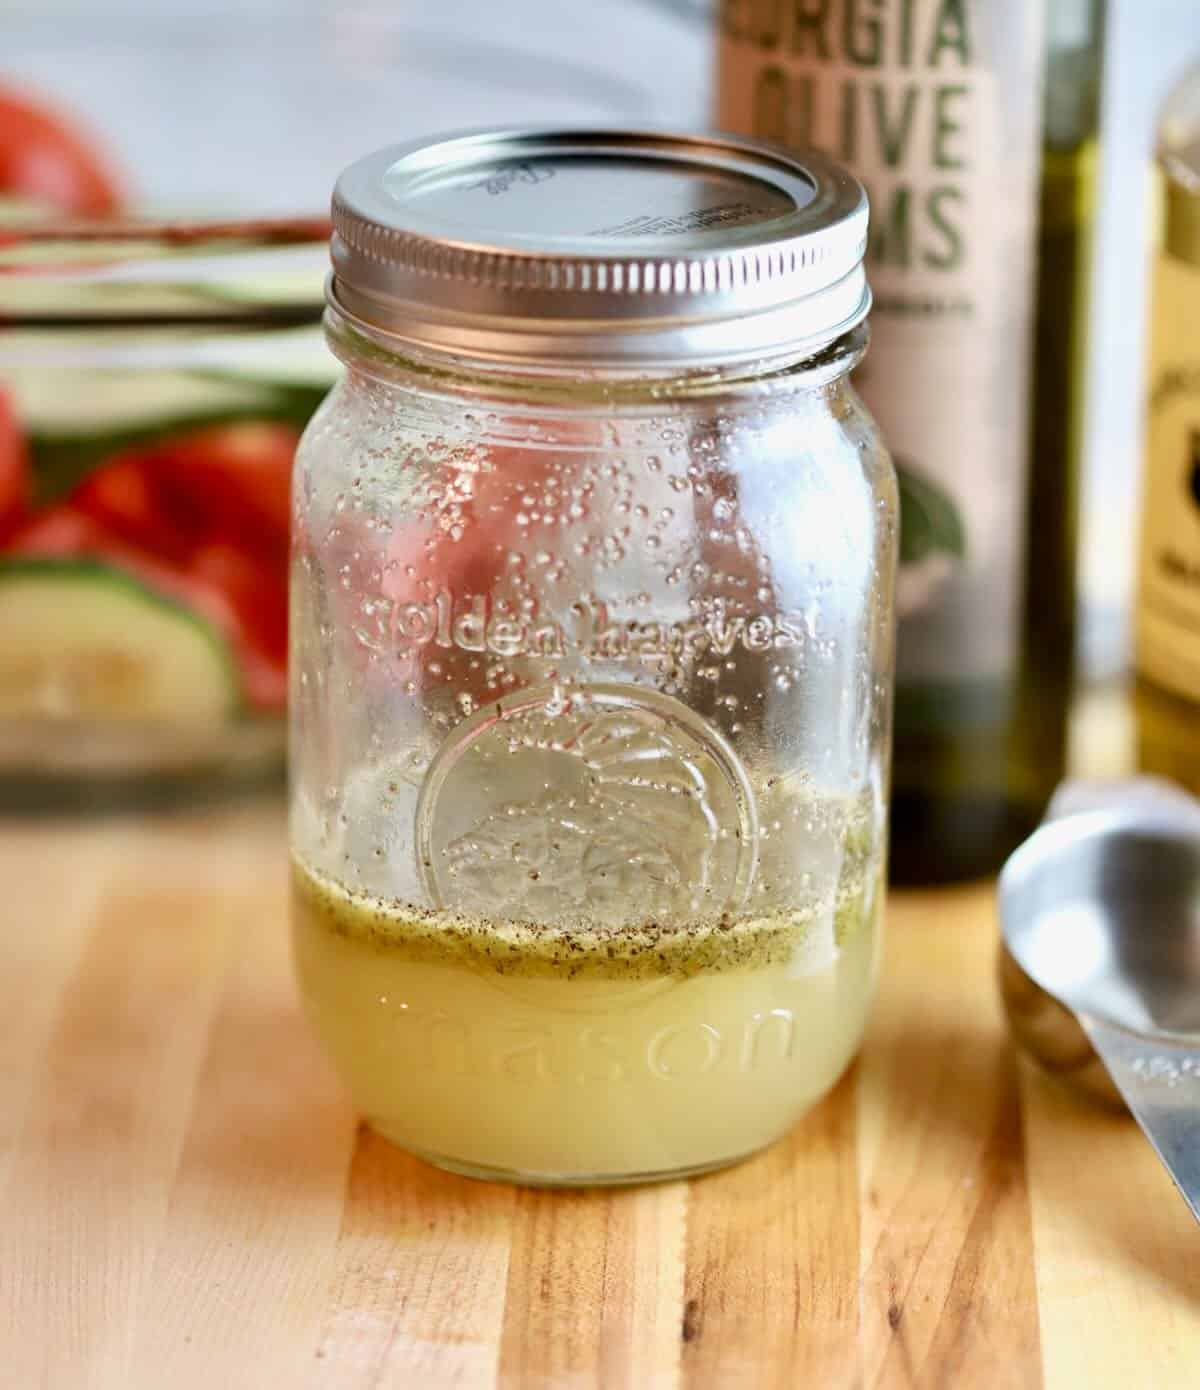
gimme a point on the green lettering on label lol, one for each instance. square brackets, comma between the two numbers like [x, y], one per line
[862, 36]
[810, 20]
[948, 123]
[906, 33]
[897, 126]
[767, 28]
[848, 150]
[894, 135]
[891, 239]
[950, 33]
[941, 201]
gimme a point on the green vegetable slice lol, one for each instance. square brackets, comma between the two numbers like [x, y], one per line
[64, 453]
[80, 640]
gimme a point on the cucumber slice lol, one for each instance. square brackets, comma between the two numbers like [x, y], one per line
[62, 455]
[220, 275]
[89, 381]
[80, 640]
[86, 399]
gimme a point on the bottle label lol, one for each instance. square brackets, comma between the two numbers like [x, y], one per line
[1168, 630]
[936, 106]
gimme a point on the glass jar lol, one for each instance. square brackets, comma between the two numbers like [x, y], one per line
[154, 381]
[592, 641]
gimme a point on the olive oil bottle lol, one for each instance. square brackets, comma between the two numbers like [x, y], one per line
[1167, 697]
[973, 125]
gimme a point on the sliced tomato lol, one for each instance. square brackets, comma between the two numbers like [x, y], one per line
[257, 593]
[212, 504]
[225, 482]
[236, 479]
[248, 608]
[43, 156]
[123, 495]
[58, 530]
[15, 481]
[65, 530]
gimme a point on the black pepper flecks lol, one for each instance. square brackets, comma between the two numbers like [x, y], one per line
[582, 950]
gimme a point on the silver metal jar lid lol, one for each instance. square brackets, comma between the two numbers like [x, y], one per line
[616, 249]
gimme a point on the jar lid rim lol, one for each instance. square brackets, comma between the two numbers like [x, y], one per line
[592, 243]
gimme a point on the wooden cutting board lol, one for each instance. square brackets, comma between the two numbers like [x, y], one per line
[187, 1200]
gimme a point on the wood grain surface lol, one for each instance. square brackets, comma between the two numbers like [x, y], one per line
[187, 1199]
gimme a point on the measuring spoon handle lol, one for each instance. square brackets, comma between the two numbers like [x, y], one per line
[1161, 1085]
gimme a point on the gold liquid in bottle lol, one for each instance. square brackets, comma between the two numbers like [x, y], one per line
[1167, 699]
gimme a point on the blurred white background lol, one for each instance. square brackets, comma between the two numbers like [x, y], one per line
[258, 104]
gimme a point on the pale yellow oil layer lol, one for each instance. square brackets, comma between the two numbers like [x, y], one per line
[574, 1058]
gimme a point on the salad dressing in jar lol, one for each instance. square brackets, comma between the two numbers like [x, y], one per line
[591, 664]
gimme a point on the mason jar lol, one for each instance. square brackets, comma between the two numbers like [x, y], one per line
[591, 651]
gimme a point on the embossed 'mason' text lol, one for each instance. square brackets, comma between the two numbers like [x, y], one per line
[595, 1053]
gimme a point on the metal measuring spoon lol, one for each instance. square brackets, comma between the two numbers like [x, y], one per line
[1101, 909]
